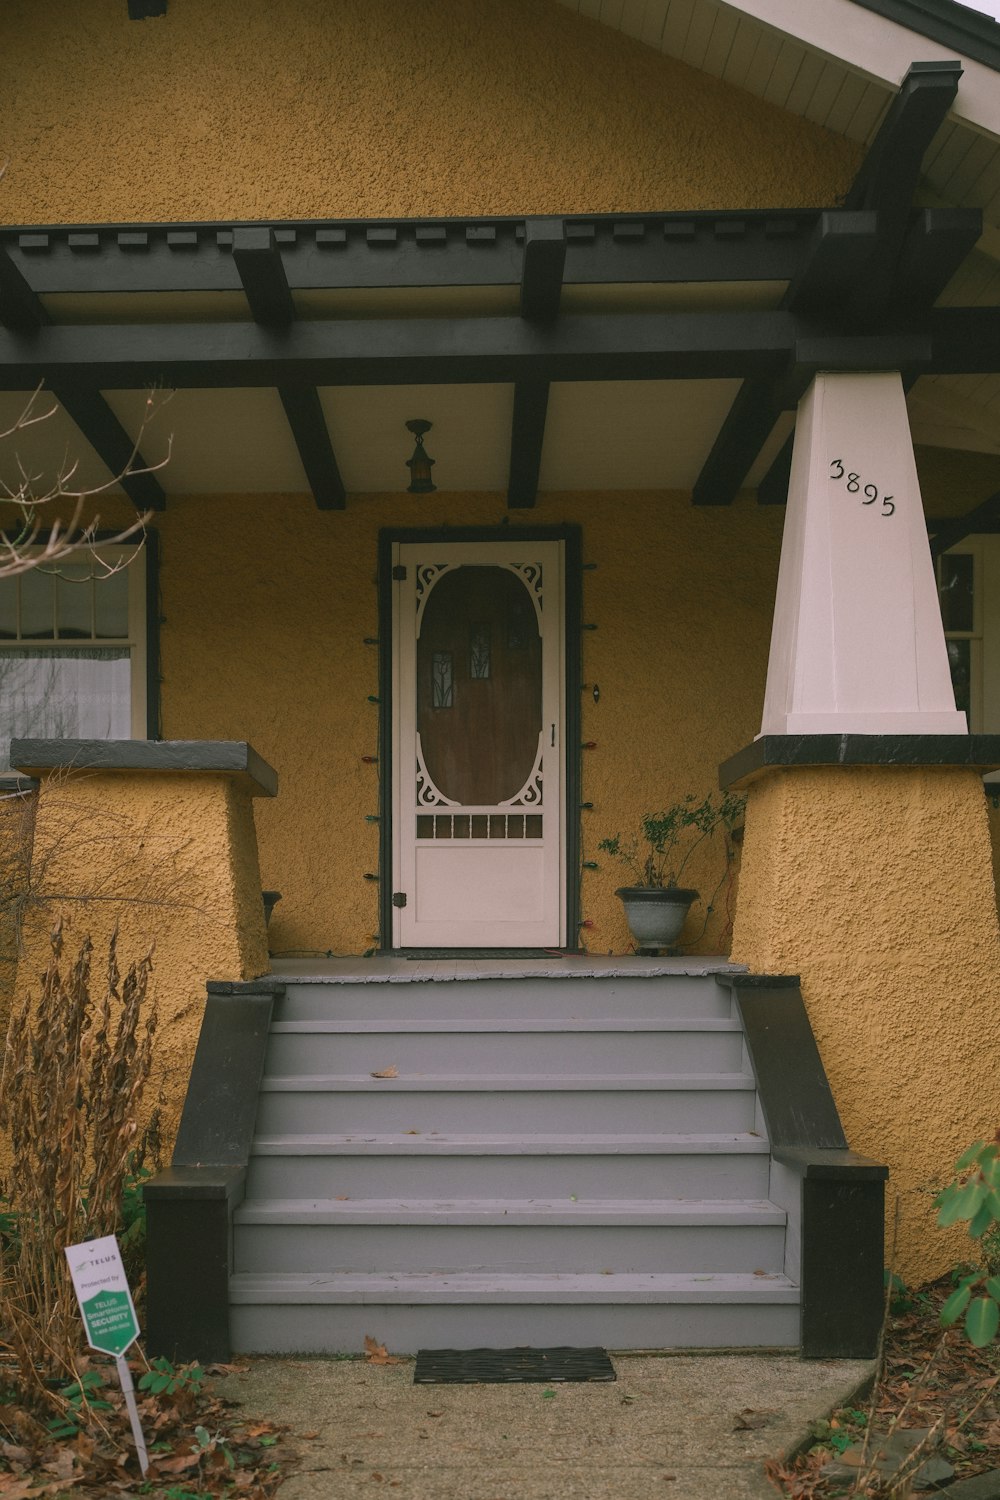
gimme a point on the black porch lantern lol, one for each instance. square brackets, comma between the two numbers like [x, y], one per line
[420, 464]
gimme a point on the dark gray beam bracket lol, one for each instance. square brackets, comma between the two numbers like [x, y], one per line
[543, 268]
[111, 443]
[982, 517]
[531, 399]
[262, 274]
[20, 306]
[304, 411]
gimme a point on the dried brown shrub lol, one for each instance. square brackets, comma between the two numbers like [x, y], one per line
[73, 1078]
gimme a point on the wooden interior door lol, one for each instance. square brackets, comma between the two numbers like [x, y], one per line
[478, 745]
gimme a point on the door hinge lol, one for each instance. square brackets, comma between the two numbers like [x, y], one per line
[399, 898]
[399, 573]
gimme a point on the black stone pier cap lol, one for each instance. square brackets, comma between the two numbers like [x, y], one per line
[773, 752]
[230, 757]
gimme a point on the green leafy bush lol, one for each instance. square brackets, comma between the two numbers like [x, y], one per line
[974, 1195]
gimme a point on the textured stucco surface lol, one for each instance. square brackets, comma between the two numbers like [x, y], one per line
[266, 620]
[875, 885]
[17, 820]
[367, 108]
[172, 861]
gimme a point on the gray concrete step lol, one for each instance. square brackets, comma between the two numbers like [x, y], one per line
[572, 1158]
[508, 1235]
[509, 1166]
[505, 1045]
[555, 995]
[304, 1104]
[323, 1313]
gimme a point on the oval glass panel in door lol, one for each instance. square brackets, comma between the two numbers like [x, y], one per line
[479, 687]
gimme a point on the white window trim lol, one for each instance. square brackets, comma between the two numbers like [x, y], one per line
[135, 559]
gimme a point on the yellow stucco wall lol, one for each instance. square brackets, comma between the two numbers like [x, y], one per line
[875, 885]
[366, 108]
[171, 859]
[17, 820]
[268, 602]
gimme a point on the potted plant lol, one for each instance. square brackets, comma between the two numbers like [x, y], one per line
[656, 905]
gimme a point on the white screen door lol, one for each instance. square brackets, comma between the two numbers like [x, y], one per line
[478, 696]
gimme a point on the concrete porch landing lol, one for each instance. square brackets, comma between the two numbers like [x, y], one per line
[573, 966]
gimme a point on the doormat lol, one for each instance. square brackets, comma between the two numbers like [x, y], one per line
[498, 1366]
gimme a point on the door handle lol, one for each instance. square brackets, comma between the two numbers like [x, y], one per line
[553, 739]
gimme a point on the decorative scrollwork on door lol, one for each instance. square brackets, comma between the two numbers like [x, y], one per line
[530, 794]
[428, 794]
[427, 575]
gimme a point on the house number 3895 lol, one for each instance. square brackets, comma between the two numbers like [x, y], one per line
[853, 484]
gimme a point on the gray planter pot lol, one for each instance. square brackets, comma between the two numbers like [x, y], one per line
[656, 917]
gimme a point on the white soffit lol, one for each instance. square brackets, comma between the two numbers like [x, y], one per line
[956, 411]
[469, 441]
[219, 441]
[631, 434]
[146, 307]
[44, 449]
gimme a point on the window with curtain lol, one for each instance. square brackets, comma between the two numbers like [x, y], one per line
[72, 650]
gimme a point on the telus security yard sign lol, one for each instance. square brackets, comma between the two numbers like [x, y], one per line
[108, 1313]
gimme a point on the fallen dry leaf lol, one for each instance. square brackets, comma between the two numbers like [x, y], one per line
[376, 1353]
[749, 1420]
[391, 1072]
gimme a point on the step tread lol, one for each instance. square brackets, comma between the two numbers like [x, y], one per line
[419, 1143]
[474, 1026]
[495, 1083]
[502, 1211]
[495, 1287]
[351, 971]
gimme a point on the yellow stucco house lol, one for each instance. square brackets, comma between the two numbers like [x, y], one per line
[545, 411]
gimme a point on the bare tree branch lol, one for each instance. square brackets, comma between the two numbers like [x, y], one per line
[31, 540]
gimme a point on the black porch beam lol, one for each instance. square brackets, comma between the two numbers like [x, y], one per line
[262, 274]
[258, 260]
[312, 438]
[890, 174]
[773, 488]
[859, 264]
[936, 243]
[527, 436]
[401, 351]
[982, 517]
[741, 436]
[20, 306]
[543, 267]
[112, 444]
[756, 245]
[407, 351]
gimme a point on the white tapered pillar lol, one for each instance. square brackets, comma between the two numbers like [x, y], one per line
[857, 645]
